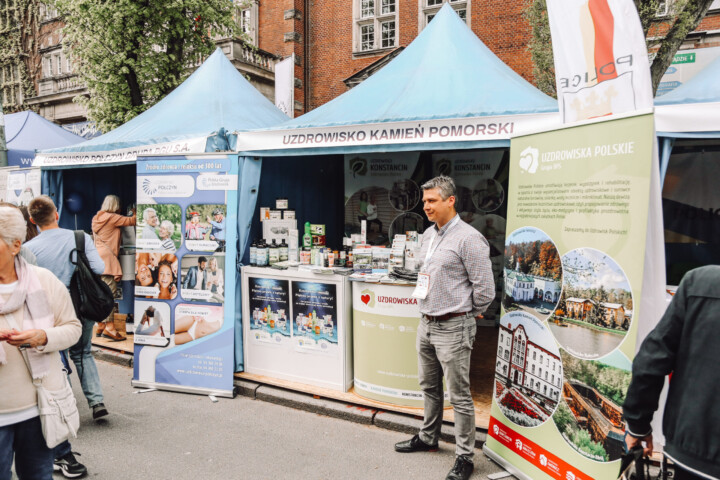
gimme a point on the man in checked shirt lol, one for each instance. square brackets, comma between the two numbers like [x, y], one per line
[455, 285]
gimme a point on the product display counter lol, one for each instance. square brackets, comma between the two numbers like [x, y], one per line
[385, 323]
[295, 326]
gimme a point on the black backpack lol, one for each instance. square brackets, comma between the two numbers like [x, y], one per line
[92, 298]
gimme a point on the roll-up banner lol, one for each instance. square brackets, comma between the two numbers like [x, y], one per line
[574, 266]
[184, 273]
[19, 186]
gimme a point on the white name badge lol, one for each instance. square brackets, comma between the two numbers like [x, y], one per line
[422, 287]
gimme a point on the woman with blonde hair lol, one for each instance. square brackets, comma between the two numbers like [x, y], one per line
[107, 229]
[37, 320]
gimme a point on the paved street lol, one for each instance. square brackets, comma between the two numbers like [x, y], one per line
[163, 435]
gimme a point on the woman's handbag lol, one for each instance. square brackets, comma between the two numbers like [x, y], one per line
[59, 415]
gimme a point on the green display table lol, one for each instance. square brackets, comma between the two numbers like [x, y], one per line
[385, 322]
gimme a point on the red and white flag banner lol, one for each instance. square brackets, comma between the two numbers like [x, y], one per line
[601, 60]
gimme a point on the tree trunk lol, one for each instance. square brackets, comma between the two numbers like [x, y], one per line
[686, 21]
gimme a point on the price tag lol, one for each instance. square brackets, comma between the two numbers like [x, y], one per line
[422, 287]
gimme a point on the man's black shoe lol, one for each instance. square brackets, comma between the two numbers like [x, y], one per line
[462, 469]
[99, 411]
[69, 466]
[414, 445]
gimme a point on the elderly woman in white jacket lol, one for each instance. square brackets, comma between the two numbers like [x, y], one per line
[36, 315]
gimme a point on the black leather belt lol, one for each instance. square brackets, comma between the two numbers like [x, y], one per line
[447, 316]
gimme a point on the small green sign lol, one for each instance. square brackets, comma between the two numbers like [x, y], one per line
[684, 58]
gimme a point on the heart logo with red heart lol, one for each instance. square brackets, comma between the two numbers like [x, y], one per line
[365, 299]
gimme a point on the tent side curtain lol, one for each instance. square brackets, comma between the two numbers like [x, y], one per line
[249, 186]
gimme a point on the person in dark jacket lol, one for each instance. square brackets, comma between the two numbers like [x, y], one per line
[685, 343]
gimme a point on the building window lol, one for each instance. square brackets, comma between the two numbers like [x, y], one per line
[47, 12]
[49, 64]
[367, 37]
[367, 8]
[388, 34]
[375, 25]
[58, 62]
[429, 8]
[246, 13]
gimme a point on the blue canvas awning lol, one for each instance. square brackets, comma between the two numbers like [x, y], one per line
[445, 87]
[27, 132]
[693, 109]
[193, 118]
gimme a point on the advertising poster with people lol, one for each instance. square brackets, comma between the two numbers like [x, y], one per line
[19, 186]
[315, 328]
[383, 190]
[270, 309]
[481, 179]
[574, 263]
[184, 338]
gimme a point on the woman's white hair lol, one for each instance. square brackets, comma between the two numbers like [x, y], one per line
[169, 226]
[12, 225]
[111, 204]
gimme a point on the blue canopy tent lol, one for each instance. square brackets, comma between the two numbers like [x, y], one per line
[446, 85]
[445, 74]
[688, 126]
[192, 119]
[27, 132]
[446, 94]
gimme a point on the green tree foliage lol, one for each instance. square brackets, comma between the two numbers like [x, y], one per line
[584, 442]
[684, 17]
[131, 53]
[610, 381]
[580, 438]
[19, 42]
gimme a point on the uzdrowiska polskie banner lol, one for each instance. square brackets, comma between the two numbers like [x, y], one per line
[573, 267]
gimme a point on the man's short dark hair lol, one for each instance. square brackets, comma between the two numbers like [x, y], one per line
[42, 210]
[444, 184]
[201, 260]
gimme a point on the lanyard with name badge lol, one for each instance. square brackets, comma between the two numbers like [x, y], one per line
[423, 280]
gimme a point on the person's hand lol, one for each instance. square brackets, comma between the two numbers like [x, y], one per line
[34, 338]
[173, 291]
[480, 317]
[5, 334]
[634, 442]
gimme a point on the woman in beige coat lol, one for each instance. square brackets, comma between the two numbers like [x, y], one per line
[37, 316]
[107, 228]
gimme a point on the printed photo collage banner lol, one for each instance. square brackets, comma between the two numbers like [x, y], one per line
[296, 314]
[184, 271]
[573, 267]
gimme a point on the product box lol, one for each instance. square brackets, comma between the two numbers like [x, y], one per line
[317, 229]
[362, 260]
[278, 230]
[380, 259]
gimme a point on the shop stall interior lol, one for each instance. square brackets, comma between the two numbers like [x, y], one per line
[79, 194]
[691, 207]
[317, 189]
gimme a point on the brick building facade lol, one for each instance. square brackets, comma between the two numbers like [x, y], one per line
[336, 43]
[333, 40]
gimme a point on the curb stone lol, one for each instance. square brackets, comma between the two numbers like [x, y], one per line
[112, 356]
[398, 422]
